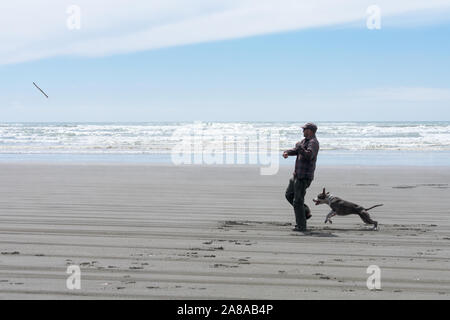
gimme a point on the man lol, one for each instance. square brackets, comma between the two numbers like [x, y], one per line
[306, 152]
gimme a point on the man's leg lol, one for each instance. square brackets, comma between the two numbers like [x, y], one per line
[290, 191]
[300, 186]
[290, 197]
[307, 211]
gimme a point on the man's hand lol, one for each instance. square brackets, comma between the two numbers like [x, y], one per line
[285, 155]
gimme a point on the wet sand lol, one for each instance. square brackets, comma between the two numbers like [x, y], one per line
[163, 232]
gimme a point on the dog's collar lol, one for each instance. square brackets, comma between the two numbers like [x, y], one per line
[330, 198]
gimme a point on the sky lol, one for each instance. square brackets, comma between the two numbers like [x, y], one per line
[220, 60]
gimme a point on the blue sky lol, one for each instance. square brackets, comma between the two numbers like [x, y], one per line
[338, 73]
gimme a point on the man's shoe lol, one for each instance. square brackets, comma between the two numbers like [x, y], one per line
[299, 229]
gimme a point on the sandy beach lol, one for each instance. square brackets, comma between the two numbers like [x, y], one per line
[214, 232]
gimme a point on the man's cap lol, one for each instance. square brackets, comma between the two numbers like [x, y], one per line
[311, 126]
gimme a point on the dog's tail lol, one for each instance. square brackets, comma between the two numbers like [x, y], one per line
[378, 205]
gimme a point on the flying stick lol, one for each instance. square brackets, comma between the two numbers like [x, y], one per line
[40, 90]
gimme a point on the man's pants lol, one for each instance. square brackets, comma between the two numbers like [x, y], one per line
[295, 194]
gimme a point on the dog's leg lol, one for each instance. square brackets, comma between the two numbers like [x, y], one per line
[329, 215]
[329, 220]
[366, 218]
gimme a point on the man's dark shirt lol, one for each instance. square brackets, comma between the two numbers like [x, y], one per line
[306, 152]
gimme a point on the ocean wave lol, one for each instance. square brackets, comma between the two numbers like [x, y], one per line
[142, 138]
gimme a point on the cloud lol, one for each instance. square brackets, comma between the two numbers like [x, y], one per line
[37, 29]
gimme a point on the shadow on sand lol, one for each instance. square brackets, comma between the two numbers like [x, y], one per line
[316, 233]
[348, 229]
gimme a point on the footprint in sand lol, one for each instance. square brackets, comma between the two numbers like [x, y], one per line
[85, 264]
[435, 185]
[137, 254]
[221, 265]
[242, 261]
[11, 253]
[404, 187]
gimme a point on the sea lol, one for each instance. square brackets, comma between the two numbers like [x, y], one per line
[341, 143]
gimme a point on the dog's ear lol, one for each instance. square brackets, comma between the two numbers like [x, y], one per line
[328, 193]
[323, 191]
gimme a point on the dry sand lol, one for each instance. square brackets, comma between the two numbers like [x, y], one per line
[163, 232]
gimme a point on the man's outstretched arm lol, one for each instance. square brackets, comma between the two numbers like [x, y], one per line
[292, 152]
